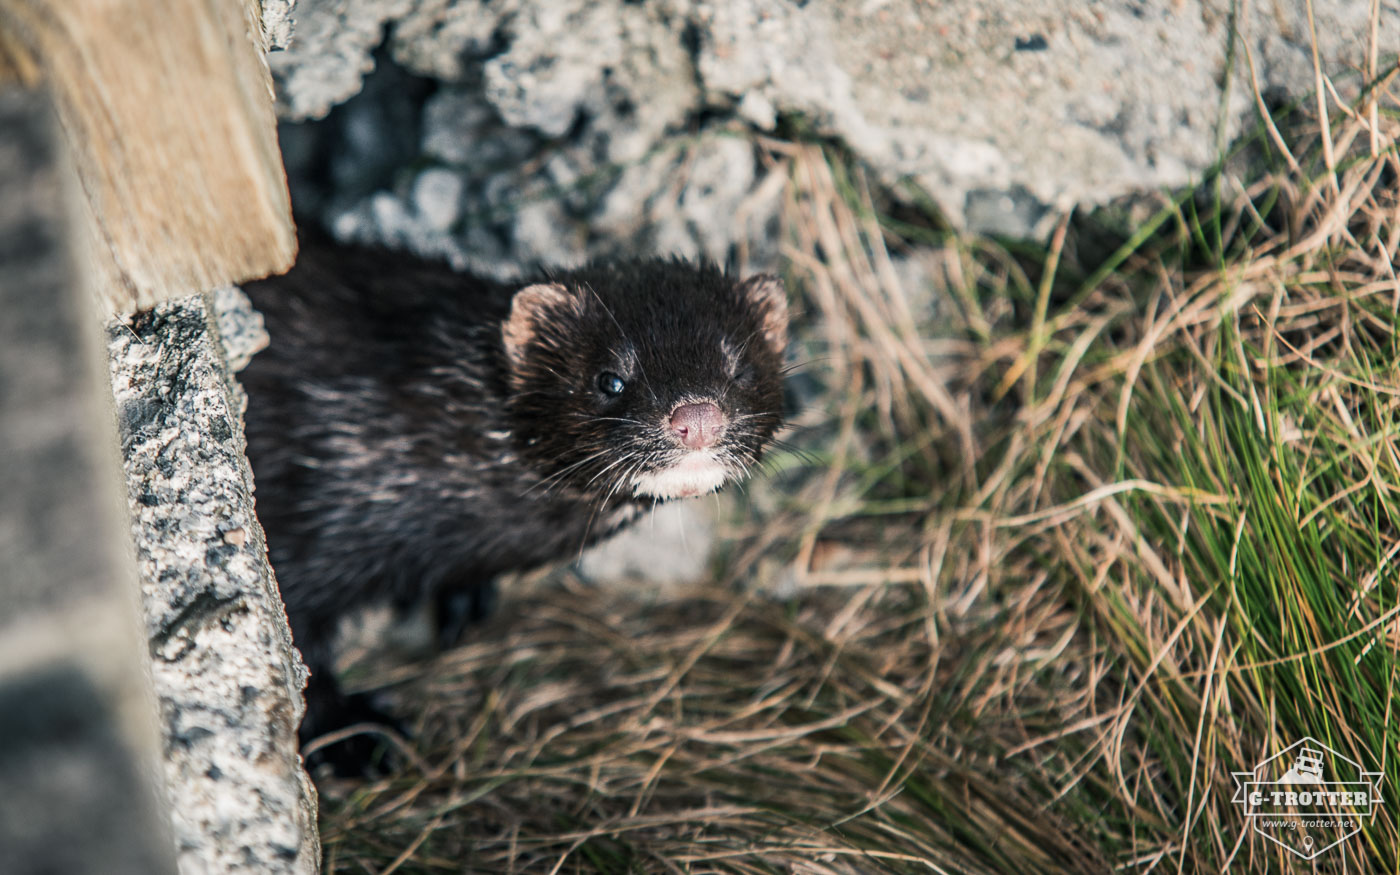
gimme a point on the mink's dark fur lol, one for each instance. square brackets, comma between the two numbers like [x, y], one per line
[415, 431]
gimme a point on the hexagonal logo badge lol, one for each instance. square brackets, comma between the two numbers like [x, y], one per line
[1308, 798]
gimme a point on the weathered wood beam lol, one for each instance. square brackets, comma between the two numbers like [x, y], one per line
[167, 108]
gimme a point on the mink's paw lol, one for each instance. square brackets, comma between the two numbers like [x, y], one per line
[456, 609]
[348, 734]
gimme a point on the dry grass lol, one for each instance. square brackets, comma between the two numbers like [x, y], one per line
[1098, 533]
[713, 731]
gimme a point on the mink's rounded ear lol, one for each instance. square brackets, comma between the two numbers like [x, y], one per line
[766, 294]
[530, 311]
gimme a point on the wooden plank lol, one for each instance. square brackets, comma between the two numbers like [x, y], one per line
[167, 107]
[78, 745]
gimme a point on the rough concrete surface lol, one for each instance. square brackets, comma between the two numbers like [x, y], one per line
[227, 677]
[277, 23]
[79, 791]
[1006, 112]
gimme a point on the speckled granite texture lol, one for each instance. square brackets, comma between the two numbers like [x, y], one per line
[227, 677]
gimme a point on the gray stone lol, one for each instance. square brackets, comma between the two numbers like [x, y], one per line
[1051, 105]
[329, 52]
[461, 128]
[69, 777]
[240, 327]
[441, 38]
[227, 678]
[277, 23]
[437, 197]
[392, 221]
[78, 745]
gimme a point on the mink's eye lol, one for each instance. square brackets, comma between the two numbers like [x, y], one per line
[611, 384]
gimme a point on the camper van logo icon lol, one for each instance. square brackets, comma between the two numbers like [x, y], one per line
[1308, 798]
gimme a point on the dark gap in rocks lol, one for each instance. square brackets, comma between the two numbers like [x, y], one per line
[361, 146]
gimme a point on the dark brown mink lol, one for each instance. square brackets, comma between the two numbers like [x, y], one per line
[415, 431]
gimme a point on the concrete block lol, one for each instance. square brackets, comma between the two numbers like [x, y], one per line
[79, 791]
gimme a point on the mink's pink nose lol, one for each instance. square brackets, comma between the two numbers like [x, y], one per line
[697, 425]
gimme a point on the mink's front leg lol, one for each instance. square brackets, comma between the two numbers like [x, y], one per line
[329, 709]
[457, 607]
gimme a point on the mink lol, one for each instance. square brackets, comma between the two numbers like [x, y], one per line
[415, 431]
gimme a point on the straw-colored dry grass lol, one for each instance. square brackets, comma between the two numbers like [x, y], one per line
[1055, 561]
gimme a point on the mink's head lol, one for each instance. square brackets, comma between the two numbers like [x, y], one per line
[654, 379]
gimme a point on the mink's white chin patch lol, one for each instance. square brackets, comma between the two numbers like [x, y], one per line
[695, 474]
